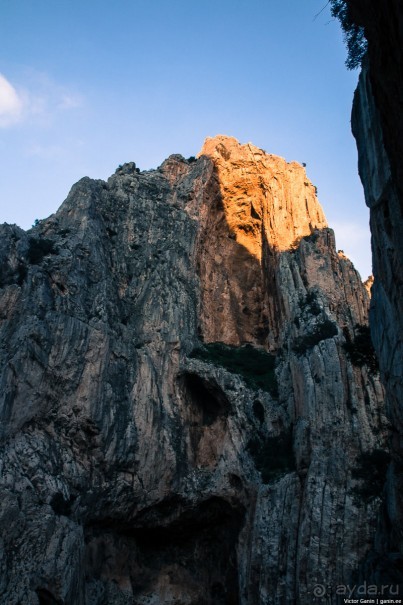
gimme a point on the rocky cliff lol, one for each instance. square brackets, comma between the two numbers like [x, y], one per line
[377, 122]
[191, 411]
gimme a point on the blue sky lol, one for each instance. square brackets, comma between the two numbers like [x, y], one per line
[89, 84]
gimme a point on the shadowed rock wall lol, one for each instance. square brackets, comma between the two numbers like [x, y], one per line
[136, 465]
[377, 123]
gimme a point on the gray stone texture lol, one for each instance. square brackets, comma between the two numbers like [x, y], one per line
[134, 473]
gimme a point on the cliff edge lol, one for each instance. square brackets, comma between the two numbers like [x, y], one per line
[191, 411]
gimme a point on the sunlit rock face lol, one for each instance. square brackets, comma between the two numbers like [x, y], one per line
[264, 205]
[264, 198]
[143, 459]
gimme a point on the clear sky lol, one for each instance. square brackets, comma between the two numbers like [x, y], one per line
[87, 85]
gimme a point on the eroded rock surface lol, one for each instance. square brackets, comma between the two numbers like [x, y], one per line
[142, 462]
[263, 205]
[377, 122]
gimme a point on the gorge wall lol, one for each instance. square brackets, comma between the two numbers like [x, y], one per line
[377, 123]
[191, 412]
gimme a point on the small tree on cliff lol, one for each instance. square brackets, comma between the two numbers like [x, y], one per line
[353, 34]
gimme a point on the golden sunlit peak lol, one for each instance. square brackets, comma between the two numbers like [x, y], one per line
[223, 145]
[263, 196]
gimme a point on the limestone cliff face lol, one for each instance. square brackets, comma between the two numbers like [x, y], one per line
[377, 123]
[264, 198]
[382, 196]
[264, 206]
[145, 461]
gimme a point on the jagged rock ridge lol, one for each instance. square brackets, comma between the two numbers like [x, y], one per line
[144, 459]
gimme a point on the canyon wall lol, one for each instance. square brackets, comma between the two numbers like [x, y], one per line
[191, 412]
[377, 122]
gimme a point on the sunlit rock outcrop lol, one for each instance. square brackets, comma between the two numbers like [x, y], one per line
[191, 410]
[264, 205]
[264, 198]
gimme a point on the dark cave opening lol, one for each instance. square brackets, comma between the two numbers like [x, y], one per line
[192, 559]
[46, 598]
[206, 398]
[206, 410]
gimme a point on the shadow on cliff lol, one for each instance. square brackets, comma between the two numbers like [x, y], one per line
[239, 302]
[241, 299]
[171, 548]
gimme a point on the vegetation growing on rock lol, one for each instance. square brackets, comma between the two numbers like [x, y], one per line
[354, 37]
[370, 471]
[273, 456]
[254, 365]
[360, 349]
[323, 330]
[38, 248]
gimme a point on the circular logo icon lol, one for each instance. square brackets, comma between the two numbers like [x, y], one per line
[319, 590]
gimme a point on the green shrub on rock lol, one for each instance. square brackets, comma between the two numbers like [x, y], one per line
[324, 330]
[254, 365]
[360, 349]
[38, 248]
[370, 471]
[273, 456]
